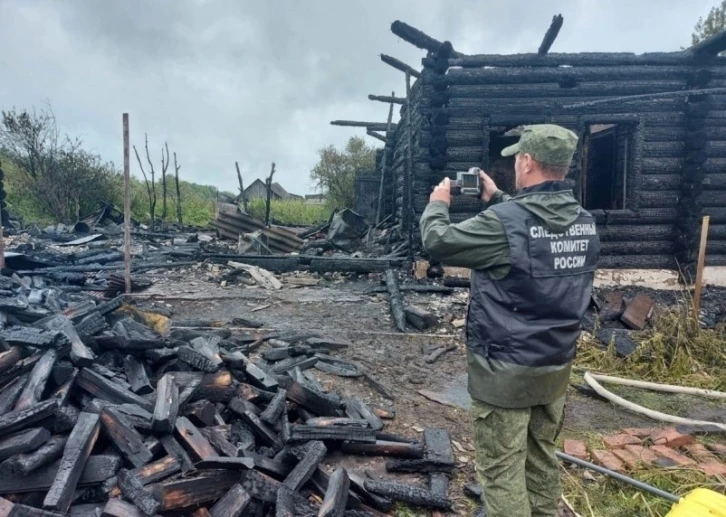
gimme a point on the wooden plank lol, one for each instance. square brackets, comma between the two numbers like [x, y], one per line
[285, 504]
[310, 399]
[385, 448]
[125, 437]
[167, 405]
[348, 433]
[134, 491]
[232, 504]
[189, 435]
[120, 508]
[75, 455]
[259, 428]
[699, 267]
[201, 412]
[174, 449]
[408, 494]
[197, 359]
[10, 393]
[306, 467]
[19, 420]
[81, 355]
[336, 496]
[148, 474]
[22, 442]
[9, 358]
[188, 492]
[275, 407]
[110, 391]
[33, 392]
[218, 436]
[24, 464]
[137, 377]
[361, 409]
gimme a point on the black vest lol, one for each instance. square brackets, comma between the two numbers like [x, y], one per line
[531, 318]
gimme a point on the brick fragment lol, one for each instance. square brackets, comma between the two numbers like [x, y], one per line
[672, 438]
[637, 312]
[612, 306]
[576, 448]
[608, 460]
[645, 455]
[618, 441]
[713, 468]
[717, 448]
[670, 454]
[628, 458]
[698, 451]
[640, 432]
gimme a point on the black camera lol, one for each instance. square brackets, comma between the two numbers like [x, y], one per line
[467, 184]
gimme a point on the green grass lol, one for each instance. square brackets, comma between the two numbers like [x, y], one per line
[292, 212]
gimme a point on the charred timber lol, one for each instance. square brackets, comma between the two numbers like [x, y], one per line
[384, 448]
[709, 47]
[125, 437]
[188, 492]
[408, 494]
[580, 59]
[377, 136]
[20, 420]
[336, 495]
[396, 300]
[399, 65]
[373, 126]
[646, 96]
[110, 391]
[551, 35]
[133, 490]
[307, 263]
[24, 464]
[22, 442]
[387, 99]
[417, 38]
[35, 385]
[232, 504]
[190, 436]
[307, 465]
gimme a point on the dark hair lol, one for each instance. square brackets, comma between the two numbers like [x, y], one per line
[557, 172]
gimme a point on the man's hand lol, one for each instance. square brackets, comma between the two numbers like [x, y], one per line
[490, 188]
[442, 192]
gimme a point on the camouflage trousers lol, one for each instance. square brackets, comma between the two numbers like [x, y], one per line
[515, 458]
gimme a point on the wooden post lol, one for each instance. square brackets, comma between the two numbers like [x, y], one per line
[127, 206]
[2, 245]
[408, 178]
[699, 270]
[379, 212]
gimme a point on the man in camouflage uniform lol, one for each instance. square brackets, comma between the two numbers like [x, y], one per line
[533, 259]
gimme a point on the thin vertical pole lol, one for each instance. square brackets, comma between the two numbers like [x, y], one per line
[127, 205]
[379, 213]
[699, 270]
[408, 183]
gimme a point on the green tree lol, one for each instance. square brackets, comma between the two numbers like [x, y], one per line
[713, 24]
[336, 171]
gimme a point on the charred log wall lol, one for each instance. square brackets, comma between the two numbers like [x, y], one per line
[458, 111]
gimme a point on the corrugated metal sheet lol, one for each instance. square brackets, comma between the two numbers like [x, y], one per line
[231, 222]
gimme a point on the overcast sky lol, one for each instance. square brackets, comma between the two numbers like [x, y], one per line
[260, 81]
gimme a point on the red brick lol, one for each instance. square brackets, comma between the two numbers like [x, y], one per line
[713, 468]
[672, 438]
[628, 458]
[646, 456]
[670, 454]
[576, 448]
[698, 451]
[608, 460]
[638, 311]
[619, 441]
[640, 432]
[718, 449]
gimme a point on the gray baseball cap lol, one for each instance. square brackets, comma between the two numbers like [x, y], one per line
[546, 143]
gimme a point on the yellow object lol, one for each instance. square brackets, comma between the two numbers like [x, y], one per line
[700, 502]
[157, 322]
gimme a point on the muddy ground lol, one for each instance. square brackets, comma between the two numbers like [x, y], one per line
[341, 308]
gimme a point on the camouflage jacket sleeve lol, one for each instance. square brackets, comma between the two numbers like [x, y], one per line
[477, 243]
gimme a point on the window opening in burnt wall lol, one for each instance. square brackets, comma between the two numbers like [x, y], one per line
[606, 163]
[501, 169]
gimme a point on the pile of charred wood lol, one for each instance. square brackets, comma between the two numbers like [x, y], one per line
[101, 415]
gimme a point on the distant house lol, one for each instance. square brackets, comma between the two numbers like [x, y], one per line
[258, 190]
[315, 199]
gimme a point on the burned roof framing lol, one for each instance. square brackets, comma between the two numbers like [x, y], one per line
[651, 154]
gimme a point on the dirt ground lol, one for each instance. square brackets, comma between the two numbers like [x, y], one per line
[341, 308]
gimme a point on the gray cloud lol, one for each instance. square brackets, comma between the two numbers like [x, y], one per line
[256, 82]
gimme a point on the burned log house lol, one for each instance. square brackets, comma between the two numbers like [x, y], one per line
[651, 157]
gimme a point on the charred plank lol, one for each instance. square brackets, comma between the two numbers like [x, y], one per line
[197, 359]
[306, 467]
[274, 409]
[19, 420]
[219, 438]
[257, 377]
[49, 452]
[193, 439]
[224, 463]
[75, 455]
[202, 412]
[125, 437]
[120, 508]
[336, 496]
[134, 491]
[396, 300]
[31, 336]
[110, 391]
[167, 405]
[136, 375]
[285, 504]
[10, 393]
[383, 448]
[147, 474]
[172, 447]
[188, 492]
[22, 442]
[378, 502]
[408, 494]
[81, 355]
[33, 391]
[9, 358]
[232, 504]
[348, 433]
[361, 410]
[311, 400]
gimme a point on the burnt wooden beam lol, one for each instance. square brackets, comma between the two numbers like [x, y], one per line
[134, 491]
[75, 455]
[19, 420]
[408, 494]
[259, 428]
[709, 47]
[396, 300]
[167, 405]
[22, 510]
[272, 467]
[126, 439]
[34, 388]
[147, 474]
[371, 126]
[189, 492]
[174, 449]
[343, 433]
[387, 99]
[97, 470]
[189, 435]
[32, 337]
[306, 467]
[592, 59]
[105, 389]
[384, 448]
[419, 318]
[232, 504]
[10, 393]
[336, 496]
[197, 360]
[257, 377]
[120, 508]
[310, 399]
[260, 486]
[219, 438]
[137, 377]
[438, 455]
[22, 442]
[81, 355]
[202, 412]
[357, 409]
[285, 504]
[274, 409]
[646, 96]
[400, 65]
[377, 136]
[439, 484]
[24, 464]
[417, 38]
[224, 463]
[551, 35]
[9, 358]
[378, 502]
